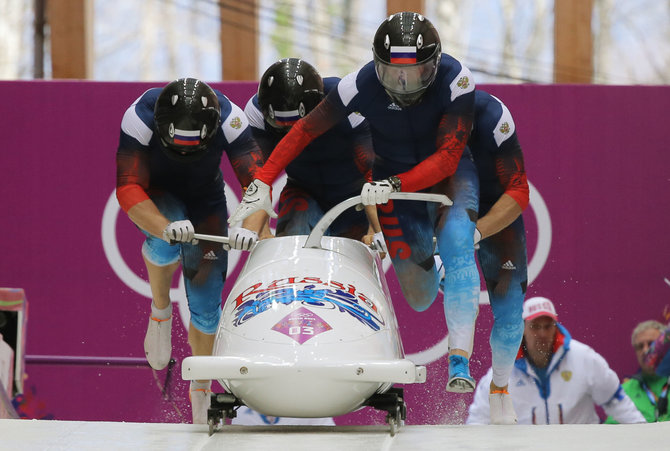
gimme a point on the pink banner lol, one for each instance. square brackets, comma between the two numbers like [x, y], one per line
[596, 157]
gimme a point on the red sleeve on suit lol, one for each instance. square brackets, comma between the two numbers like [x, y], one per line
[132, 178]
[247, 164]
[452, 135]
[317, 122]
[512, 175]
[130, 195]
[364, 154]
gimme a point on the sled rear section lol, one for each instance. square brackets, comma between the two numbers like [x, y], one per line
[308, 331]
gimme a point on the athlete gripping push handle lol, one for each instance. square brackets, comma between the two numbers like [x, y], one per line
[333, 167]
[170, 185]
[419, 103]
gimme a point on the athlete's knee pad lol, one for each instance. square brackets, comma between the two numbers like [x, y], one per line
[159, 252]
[457, 255]
[502, 258]
[459, 225]
[204, 278]
[416, 271]
[419, 286]
[204, 303]
[206, 322]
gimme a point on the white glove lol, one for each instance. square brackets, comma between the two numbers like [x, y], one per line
[376, 192]
[179, 232]
[240, 238]
[256, 197]
[477, 237]
[380, 243]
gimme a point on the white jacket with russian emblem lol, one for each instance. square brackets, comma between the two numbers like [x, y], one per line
[578, 379]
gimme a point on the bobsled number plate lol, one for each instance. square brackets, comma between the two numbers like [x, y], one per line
[301, 325]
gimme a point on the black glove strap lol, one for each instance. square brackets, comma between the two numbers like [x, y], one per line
[395, 182]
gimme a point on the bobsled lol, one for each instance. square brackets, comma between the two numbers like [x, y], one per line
[308, 330]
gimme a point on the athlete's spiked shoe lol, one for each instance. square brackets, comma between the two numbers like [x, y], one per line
[502, 409]
[158, 342]
[200, 401]
[460, 380]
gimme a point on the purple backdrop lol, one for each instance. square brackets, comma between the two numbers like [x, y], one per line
[594, 156]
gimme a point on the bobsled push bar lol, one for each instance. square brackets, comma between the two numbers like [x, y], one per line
[314, 239]
[218, 239]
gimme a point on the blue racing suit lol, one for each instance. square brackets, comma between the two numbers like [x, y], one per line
[186, 190]
[499, 161]
[423, 145]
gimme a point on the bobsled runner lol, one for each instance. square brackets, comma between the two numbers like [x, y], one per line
[309, 331]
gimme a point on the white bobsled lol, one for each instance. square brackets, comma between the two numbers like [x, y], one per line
[309, 331]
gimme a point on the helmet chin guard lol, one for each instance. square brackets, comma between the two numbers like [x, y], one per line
[187, 115]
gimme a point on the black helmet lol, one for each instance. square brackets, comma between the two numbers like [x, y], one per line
[407, 54]
[288, 90]
[187, 116]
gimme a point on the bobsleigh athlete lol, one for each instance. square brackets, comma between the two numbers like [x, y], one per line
[419, 103]
[335, 165]
[500, 237]
[169, 183]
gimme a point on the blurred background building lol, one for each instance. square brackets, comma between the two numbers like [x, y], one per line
[501, 41]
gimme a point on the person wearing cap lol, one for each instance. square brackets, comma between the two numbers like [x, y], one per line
[556, 379]
[657, 356]
[648, 389]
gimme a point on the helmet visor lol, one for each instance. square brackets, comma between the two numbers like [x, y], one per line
[406, 78]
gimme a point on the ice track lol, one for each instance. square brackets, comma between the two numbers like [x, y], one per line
[80, 435]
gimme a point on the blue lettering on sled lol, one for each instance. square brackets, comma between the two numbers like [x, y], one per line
[343, 301]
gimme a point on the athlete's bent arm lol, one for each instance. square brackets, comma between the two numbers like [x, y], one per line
[257, 196]
[321, 119]
[246, 160]
[132, 181]
[502, 213]
[512, 176]
[453, 134]
[146, 216]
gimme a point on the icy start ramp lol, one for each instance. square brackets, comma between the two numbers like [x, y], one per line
[86, 435]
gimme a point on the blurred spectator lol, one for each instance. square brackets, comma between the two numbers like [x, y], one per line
[658, 355]
[556, 379]
[646, 389]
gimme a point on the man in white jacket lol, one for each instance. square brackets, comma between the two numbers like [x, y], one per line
[556, 379]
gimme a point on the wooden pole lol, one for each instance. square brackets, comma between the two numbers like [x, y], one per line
[38, 33]
[239, 39]
[573, 41]
[396, 6]
[71, 24]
